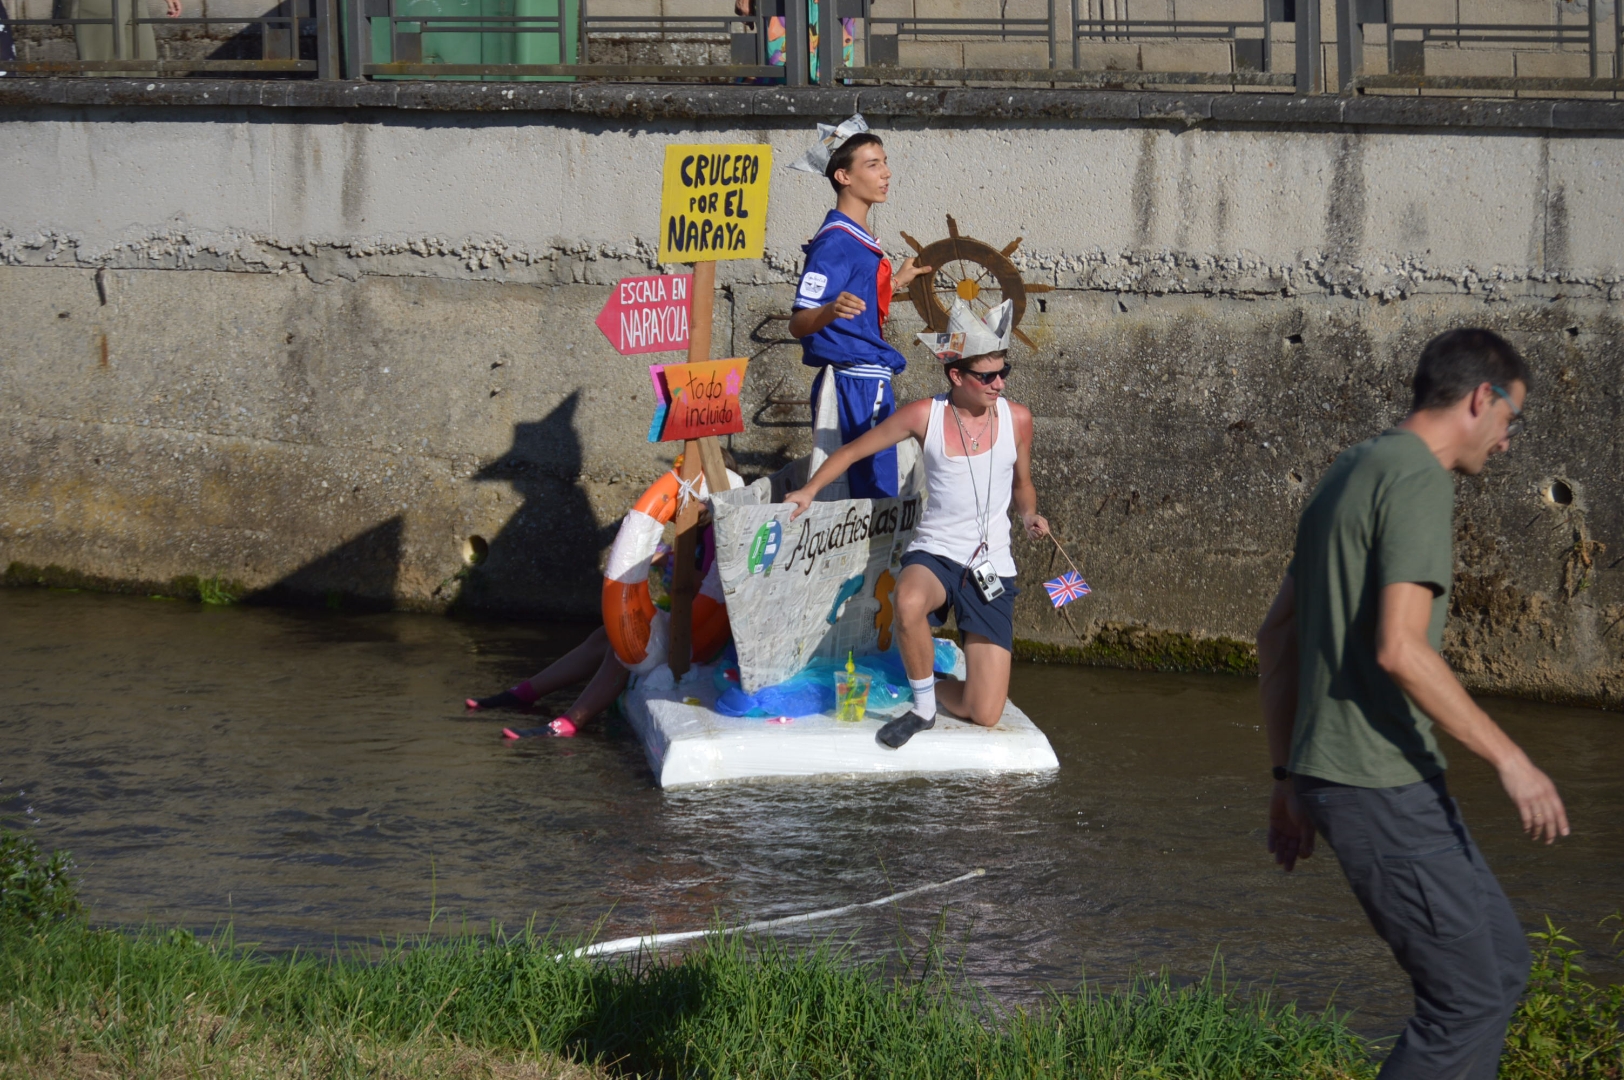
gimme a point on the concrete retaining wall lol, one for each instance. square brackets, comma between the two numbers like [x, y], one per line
[315, 352]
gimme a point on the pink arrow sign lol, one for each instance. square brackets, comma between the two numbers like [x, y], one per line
[647, 314]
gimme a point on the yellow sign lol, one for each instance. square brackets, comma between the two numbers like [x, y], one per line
[713, 203]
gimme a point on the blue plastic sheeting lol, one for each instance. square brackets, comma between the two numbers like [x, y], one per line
[812, 691]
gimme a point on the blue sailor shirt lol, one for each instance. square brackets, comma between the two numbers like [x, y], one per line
[843, 257]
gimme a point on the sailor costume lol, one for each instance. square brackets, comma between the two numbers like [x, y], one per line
[843, 257]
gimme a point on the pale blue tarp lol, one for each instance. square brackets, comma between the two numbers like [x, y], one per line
[812, 690]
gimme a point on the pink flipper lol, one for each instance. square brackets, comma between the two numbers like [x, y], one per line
[562, 727]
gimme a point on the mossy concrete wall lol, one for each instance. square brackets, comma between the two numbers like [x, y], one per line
[314, 352]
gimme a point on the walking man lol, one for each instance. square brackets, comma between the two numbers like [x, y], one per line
[977, 449]
[1353, 684]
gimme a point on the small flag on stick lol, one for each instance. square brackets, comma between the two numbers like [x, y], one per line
[1066, 588]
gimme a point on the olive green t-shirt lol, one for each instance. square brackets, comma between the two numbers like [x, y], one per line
[1382, 514]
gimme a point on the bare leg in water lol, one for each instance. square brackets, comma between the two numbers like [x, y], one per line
[593, 660]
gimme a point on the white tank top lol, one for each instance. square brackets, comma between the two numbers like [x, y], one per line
[964, 492]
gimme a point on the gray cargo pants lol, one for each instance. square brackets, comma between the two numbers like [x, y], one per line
[1432, 898]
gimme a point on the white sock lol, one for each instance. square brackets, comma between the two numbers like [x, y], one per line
[924, 692]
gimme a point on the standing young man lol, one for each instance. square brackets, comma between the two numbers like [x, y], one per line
[1353, 684]
[977, 450]
[845, 295]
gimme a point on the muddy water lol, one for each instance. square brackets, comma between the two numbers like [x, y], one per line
[313, 776]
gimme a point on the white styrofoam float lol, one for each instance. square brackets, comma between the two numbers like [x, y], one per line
[693, 744]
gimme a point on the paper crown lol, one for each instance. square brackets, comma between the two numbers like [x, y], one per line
[969, 336]
[830, 139]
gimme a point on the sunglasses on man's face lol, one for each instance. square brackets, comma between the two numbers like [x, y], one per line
[1515, 427]
[986, 377]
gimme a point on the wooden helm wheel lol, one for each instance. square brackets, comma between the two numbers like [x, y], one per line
[968, 269]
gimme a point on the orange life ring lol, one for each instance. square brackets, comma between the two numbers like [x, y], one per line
[637, 629]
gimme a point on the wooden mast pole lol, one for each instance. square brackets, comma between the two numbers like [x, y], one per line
[699, 457]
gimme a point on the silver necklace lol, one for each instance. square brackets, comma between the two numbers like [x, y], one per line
[975, 440]
[982, 512]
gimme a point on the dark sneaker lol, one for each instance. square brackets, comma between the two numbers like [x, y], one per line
[903, 728]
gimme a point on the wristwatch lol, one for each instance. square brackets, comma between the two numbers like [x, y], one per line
[1280, 773]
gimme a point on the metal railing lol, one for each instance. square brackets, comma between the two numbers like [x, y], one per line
[1249, 53]
[1406, 54]
[1251, 56]
[406, 32]
[279, 35]
[563, 39]
[882, 49]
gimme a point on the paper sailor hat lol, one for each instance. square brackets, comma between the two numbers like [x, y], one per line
[830, 139]
[968, 335]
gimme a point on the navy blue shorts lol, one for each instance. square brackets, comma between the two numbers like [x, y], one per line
[994, 621]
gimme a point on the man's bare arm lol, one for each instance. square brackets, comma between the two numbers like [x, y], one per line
[1291, 837]
[890, 431]
[1024, 494]
[1403, 651]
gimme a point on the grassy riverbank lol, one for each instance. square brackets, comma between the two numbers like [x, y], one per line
[165, 1004]
[80, 1001]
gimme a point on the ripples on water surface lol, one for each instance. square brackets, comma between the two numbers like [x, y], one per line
[313, 776]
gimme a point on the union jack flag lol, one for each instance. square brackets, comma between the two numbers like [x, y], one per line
[1066, 588]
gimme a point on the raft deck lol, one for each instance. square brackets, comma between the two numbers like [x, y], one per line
[693, 744]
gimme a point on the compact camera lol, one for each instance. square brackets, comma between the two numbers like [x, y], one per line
[987, 583]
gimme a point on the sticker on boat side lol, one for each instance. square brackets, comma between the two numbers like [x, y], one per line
[764, 548]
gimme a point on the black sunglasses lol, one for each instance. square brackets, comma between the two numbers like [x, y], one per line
[1515, 427]
[986, 377]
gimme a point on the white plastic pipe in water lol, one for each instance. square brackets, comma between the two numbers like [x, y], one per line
[620, 945]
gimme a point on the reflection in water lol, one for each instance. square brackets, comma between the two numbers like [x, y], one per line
[311, 775]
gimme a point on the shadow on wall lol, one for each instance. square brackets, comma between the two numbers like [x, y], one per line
[359, 574]
[545, 559]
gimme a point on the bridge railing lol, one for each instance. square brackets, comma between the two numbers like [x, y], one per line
[292, 38]
[1375, 46]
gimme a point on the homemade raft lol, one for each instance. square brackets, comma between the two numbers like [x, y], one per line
[814, 589]
[695, 744]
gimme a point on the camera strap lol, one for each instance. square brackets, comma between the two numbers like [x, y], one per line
[983, 510]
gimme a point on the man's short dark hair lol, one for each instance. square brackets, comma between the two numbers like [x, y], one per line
[969, 362]
[841, 158]
[1456, 362]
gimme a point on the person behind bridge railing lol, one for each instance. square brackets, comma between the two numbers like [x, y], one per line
[95, 42]
[977, 450]
[776, 35]
[845, 294]
[8, 45]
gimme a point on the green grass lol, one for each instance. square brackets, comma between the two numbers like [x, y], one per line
[1566, 1025]
[160, 1004]
[76, 1000]
[218, 592]
[208, 590]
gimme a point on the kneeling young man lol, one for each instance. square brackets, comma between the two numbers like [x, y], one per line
[977, 449]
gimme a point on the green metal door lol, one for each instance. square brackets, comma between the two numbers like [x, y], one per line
[554, 38]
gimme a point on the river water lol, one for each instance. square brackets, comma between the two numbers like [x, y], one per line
[312, 777]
